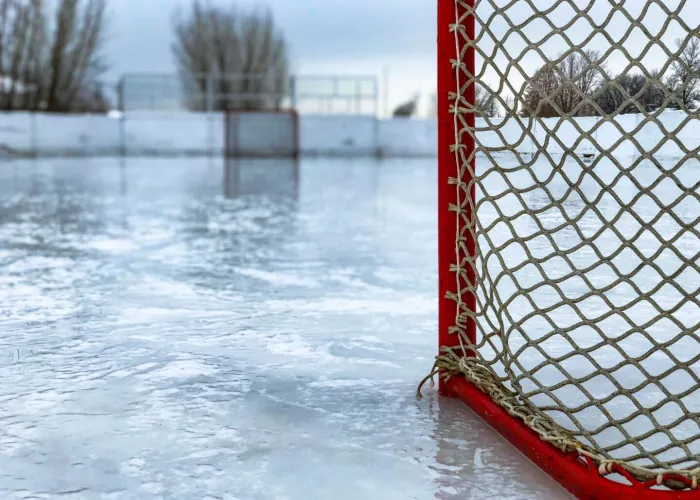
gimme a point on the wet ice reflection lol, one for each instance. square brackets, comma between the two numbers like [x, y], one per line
[185, 329]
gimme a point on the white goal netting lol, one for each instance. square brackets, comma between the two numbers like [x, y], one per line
[586, 217]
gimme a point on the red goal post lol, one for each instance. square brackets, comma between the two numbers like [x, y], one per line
[457, 74]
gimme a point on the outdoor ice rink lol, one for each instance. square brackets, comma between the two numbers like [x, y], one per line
[183, 329]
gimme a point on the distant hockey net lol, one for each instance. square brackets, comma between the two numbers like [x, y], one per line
[261, 134]
[569, 238]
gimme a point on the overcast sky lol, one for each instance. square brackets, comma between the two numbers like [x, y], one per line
[326, 36]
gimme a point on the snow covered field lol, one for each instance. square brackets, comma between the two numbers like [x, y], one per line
[185, 329]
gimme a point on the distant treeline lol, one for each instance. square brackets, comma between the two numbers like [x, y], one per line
[580, 85]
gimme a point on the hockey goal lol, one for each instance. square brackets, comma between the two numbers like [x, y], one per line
[261, 134]
[569, 235]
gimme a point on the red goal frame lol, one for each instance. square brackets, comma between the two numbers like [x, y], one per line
[580, 477]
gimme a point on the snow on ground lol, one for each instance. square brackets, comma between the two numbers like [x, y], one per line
[188, 329]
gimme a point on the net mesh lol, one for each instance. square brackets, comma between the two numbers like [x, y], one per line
[587, 200]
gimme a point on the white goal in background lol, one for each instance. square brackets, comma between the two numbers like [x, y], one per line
[569, 235]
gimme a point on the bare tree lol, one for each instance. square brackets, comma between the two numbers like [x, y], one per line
[21, 40]
[565, 87]
[684, 80]
[579, 75]
[229, 58]
[34, 71]
[539, 91]
[75, 60]
[509, 106]
[485, 102]
[48, 66]
[630, 93]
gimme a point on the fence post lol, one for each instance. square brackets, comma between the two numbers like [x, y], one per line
[293, 91]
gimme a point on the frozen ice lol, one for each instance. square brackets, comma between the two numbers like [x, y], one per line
[167, 335]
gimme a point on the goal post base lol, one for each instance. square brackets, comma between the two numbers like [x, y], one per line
[581, 480]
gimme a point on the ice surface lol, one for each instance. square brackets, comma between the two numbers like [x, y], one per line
[181, 329]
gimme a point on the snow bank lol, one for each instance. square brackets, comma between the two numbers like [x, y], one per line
[557, 138]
